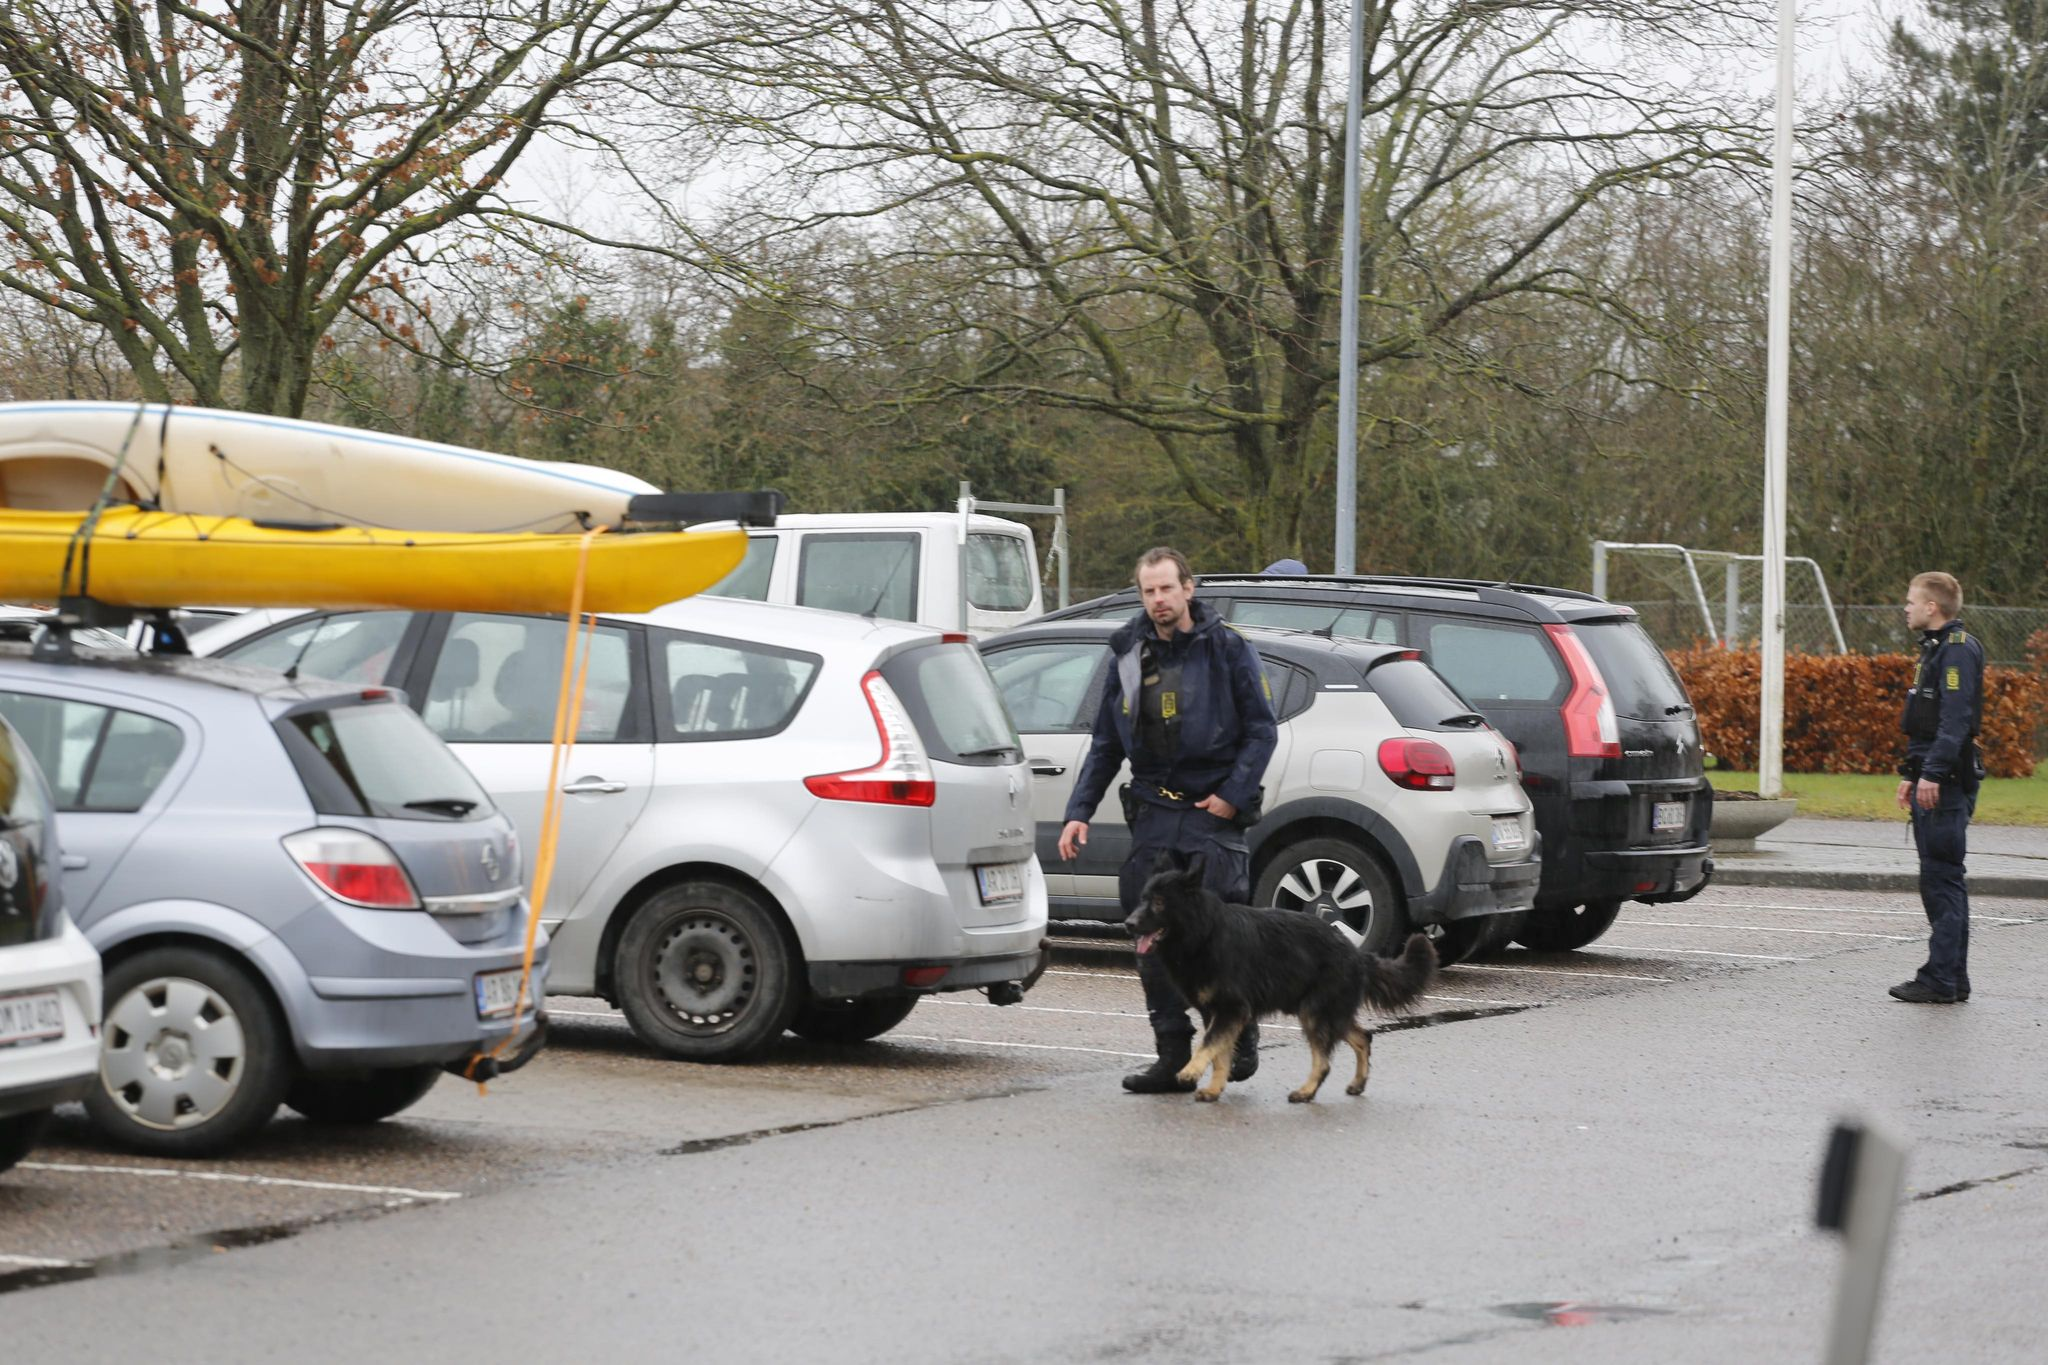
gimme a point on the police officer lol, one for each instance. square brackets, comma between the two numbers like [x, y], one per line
[1944, 712]
[1187, 705]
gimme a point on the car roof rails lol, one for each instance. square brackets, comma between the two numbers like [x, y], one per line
[52, 642]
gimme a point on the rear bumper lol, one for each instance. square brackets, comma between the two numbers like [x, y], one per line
[35, 1076]
[1471, 886]
[1648, 874]
[861, 980]
[348, 1022]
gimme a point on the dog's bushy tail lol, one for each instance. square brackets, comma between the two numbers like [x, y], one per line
[1392, 984]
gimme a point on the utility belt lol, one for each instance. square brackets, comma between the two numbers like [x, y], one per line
[1132, 794]
[1970, 761]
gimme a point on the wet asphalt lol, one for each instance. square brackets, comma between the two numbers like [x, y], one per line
[1632, 1130]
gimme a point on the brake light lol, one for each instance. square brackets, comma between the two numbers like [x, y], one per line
[1590, 729]
[903, 776]
[353, 867]
[1419, 764]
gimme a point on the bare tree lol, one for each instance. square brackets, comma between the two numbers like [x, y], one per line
[1133, 208]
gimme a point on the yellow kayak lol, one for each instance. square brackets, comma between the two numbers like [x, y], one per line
[138, 558]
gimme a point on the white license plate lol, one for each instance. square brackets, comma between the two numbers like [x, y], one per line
[1507, 832]
[34, 1017]
[497, 993]
[1667, 815]
[1000, 882]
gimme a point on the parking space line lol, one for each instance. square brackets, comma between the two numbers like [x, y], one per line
[231, 1178]
[1858, 910]
[585, 1014]
[1704, 952]
[1035, 1047]
[37, 1262]
[1770, 929]
[1106, 976]
[1555, 971]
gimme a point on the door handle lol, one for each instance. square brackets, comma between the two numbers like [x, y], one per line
[594, 786]
[1045, 768]
[74, 862]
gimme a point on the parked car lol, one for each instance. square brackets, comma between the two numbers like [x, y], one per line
[49, 973]
[1609, 744]
[1389, 802]
[300, 895]
[775, 817]
[899, 566]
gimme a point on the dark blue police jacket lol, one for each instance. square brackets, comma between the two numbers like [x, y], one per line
[1945, 709]
[1227, 729]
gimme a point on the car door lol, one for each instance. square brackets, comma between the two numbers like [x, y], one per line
[1051, 688]
[488, 684]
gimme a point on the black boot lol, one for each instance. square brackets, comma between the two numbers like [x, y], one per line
[1162, 1077]
[1244, 1058]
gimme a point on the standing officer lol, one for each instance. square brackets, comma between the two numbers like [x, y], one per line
[1187, 704]
[1944, 712]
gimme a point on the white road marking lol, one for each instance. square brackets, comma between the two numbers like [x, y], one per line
[1036, 1047]
[1554, 971]
[37, 1262]
[585, 1014]
[229, 1178]
[1108, 976]
[1769, 929]
[1859, 910]
[1702, 952]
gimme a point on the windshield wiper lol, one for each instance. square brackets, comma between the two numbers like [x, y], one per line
[445, 805]
[992, 752]
[1677, 710]
[1465, 720]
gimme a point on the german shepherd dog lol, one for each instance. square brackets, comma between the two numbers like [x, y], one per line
[1237, 963]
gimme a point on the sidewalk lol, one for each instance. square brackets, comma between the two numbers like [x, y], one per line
[1877, 855]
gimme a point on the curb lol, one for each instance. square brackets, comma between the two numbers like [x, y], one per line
[2014, 888]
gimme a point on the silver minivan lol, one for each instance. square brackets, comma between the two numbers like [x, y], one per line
[299, 894]
[773, 817]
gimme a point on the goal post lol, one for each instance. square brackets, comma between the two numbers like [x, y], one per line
[1716, 595]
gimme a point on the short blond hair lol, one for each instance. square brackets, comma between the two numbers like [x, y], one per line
[1164, 554]
[1943, 590]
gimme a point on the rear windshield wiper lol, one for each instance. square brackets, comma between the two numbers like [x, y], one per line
[443, 805]
[1677, 710]
[1465, 720]
[992, 752]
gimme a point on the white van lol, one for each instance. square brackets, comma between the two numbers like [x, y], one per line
[903, 566]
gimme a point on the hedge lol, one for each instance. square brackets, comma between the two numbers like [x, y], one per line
[1842, 710]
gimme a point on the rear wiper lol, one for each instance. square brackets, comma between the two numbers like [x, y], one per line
[1677, 710]
[1465, 720]
[444, 805]
[992, 752]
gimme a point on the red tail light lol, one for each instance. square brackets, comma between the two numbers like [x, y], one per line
[1590, 729]
[1420, 764]
[353, 867]
[924, 976]
[902, 777]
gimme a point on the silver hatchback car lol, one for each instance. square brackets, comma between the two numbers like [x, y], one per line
[774, 817]
[300, 895]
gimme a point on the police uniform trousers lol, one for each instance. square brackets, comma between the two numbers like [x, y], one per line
[1226, 870]
[1940, 835]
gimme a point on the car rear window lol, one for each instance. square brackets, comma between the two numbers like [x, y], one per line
[1344, 623]
[1419, 699]
[866, 573]
[1492, 662]
[998, 573]
[1639, 678]
[379, 759]
[954, 704]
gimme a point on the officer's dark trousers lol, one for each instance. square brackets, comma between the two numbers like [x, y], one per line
[1226, 870]
[1940, 836]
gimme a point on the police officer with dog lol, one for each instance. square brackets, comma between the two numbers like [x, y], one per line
[1939, 779]
[1187, 705]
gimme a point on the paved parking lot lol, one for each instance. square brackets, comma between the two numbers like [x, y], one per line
[79, 1208]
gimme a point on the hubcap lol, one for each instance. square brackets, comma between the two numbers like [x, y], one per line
[706, 972]
[1329, 890]
[173, 1053]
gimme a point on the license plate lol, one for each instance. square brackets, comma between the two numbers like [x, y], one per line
[34, 1017]
[1666, 815]
[497, 993]
[1000, 882]
[1507, 832]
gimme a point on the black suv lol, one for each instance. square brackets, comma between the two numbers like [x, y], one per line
[1609, 745]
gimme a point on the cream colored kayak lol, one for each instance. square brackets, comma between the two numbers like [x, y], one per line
[55, 456]
[159, 559]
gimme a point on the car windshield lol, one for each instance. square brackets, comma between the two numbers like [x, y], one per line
[1638, 676]
[379, 759]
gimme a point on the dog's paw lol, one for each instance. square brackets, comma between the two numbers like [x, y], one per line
[1358, 1089]
[1301, 1097]
[1190, 1073]
[1208, 1096]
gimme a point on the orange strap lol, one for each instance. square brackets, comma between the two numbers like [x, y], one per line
[568, 713]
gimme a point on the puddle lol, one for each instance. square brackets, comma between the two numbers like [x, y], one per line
[1447, 1017]
[1573, 1314]
[155, 1258]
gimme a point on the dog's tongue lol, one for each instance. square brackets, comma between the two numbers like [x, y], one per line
[1145, 941]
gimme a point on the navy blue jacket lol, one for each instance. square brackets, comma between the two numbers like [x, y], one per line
[1945, 709]
[1226, 725]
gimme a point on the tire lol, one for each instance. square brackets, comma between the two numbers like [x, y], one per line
[1462, 940]
[18, 1136]
[1562, 928]
[1329, 877]
[193, 1058]
[851, 1021]
[360, 1096]
[704, 973]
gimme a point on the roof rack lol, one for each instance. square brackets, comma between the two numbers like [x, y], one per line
[52, 642]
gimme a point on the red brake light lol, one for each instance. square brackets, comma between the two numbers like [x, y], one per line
[1419, 764]
[902, 776]
[1590, 729]
[353, 867]
[924, 976]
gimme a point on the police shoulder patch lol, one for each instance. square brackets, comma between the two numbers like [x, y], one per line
[1955, 679]
[1959, 637]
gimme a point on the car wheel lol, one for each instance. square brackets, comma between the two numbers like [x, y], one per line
[851, 1021]
[1332, 879]
[360, 1096]
[1563, 928]
[192, 1056]
[18, 1135]
[704, 973]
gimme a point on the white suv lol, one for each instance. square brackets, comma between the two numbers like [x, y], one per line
[1389, 802]
[774, 816]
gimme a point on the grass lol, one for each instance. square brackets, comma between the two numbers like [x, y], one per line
[1868, 796]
